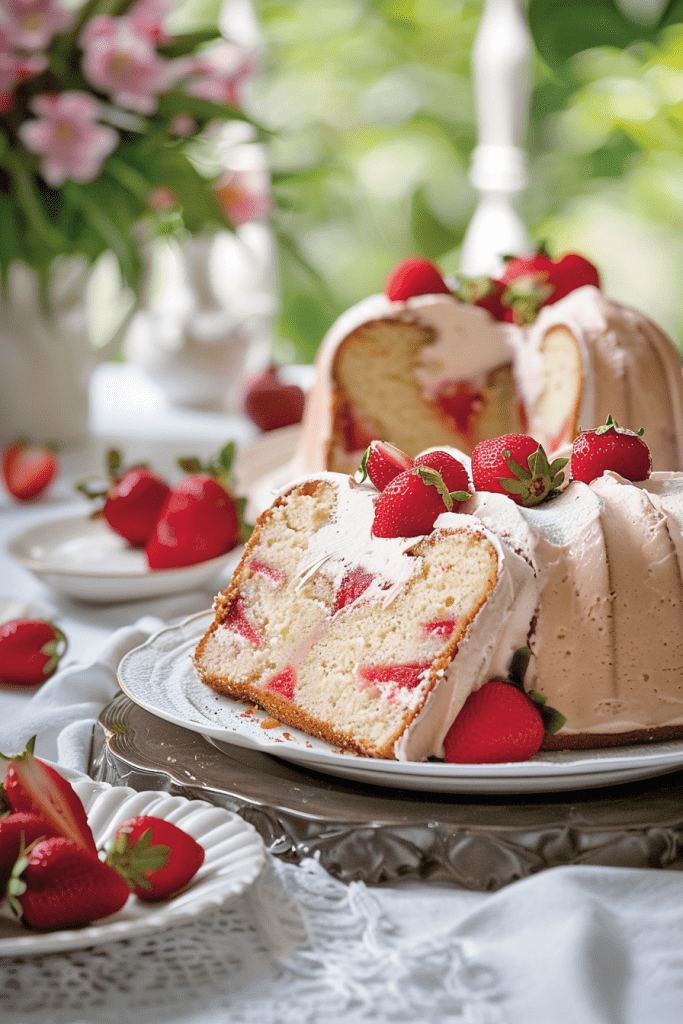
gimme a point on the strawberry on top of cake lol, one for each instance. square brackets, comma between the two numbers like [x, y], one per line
[371, 611]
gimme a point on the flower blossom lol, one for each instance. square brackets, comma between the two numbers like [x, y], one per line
[243, 195]
[66, 136]
[31, 24]
[124, 63]
[219, 72]
[15, 68]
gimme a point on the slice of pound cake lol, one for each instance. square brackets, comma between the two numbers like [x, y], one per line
[369, 642]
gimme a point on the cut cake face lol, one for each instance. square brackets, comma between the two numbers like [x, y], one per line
[370, 643]
[433, 371]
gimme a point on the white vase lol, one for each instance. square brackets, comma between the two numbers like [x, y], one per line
[45, 360]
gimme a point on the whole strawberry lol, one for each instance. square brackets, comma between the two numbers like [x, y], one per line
[30, 651]
[28, 469]
[133, 499]
[271, 403]
[411, 503]
[154, 856]
[452, 471]
[536, 280]
[497, 723]
[36, 787]
[610, 447]
[201, 518]
[381, 462]
[516, 465]
[414, 276]
[485, 292]
[57, 884]
[20, 827]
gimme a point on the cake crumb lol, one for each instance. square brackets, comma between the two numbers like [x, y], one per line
[269, 723]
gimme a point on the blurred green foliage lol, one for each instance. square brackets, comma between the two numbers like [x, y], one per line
[373, 117]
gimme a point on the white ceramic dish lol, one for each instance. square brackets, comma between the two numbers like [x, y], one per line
[159, 677]
[84, 559]
[235, 855]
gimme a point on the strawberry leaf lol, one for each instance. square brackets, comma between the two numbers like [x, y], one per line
[363, 468]
[135, 862]
[433, 478]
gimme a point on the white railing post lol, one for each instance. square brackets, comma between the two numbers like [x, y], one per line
[502, 59]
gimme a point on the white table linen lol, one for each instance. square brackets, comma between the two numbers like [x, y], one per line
[594, 945]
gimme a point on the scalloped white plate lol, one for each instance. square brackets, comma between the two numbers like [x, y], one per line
[159, 676]
[235, 855]
[83, 558]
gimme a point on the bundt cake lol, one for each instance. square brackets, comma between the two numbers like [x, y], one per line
[543, 351]
[336, 624]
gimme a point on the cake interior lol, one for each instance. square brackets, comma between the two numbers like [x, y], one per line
[345, 653]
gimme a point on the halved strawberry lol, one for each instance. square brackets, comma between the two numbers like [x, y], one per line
[27, 469]
[154, 856]
[19, 830]
[57, 884]
[516, 465]
[381, 462]
[610, 447]
[34, 786]
[414, 276]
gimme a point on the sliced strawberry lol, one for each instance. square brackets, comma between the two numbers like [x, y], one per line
[57, 884]
[441, 627]
[354, 583]
[462, 403]
[283, 683]
[28, 469]
[273, 574]
[34, 786]
[155, 857]
[497, 723]
[237, 621]
[18, 831]
[391, 679]
[30, 651]
[271, 403]
[516, 465]
[452, 471]
[414, 276]
[610, 447]
[381, 462]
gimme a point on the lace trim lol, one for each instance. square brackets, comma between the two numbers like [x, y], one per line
[298, 947]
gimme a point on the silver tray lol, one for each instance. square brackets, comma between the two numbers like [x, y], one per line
[377, 835]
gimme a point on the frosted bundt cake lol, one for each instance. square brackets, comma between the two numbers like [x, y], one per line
[338, 624]
[542, 351]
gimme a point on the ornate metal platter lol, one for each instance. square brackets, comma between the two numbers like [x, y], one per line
[379, 835]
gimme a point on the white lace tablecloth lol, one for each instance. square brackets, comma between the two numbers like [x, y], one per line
[578, 944]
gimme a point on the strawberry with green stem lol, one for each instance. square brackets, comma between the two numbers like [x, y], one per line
[133, 498]
[202, 517]
[516, 465]
[155, 857]
[610, 447]
[410, 504]
[501, 721]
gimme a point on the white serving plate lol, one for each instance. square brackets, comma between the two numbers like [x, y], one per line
[83, 558]
[159, 677]
[235, 855]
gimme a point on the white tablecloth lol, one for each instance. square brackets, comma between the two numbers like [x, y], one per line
[577, 944]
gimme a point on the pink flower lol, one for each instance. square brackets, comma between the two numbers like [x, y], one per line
[32, 23]
[123, 63]
[66, 136]
[219, 72]
[147, 17]
[243, 195]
